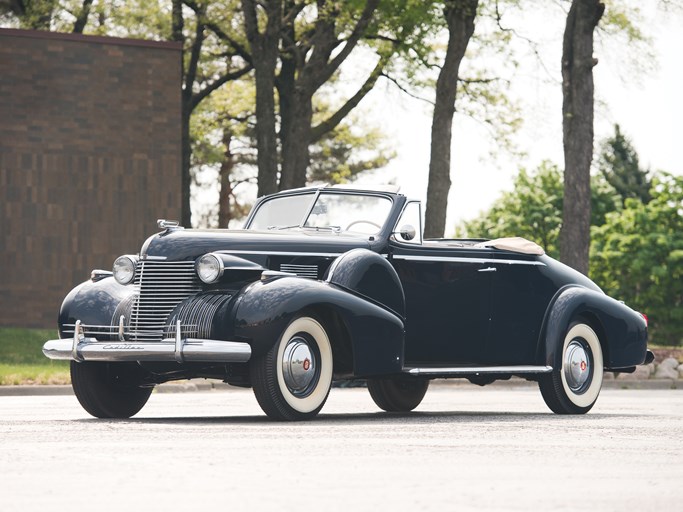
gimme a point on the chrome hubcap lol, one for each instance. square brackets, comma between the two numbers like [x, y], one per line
[299, 367]
[577, 368]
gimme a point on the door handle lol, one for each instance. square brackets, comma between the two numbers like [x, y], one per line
[487, 269]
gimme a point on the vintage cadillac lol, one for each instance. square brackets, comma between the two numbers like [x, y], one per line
[336, 283]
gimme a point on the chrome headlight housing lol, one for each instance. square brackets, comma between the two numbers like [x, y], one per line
[209, 268]
[124, 268]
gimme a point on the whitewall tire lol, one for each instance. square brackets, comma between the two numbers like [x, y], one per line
[293, 379]
[575, 382]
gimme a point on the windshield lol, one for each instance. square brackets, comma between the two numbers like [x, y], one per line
[357, 213]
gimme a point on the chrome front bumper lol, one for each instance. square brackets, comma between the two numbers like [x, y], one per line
[178, 349]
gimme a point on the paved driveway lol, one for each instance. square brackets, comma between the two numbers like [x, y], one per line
[466, 448]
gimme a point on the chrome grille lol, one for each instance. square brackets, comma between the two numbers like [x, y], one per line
[310, 271]
[196, 315]
[160, 286]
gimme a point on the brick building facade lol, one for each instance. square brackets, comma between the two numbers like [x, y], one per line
[89, 159]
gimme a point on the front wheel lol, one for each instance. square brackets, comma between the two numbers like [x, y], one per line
[574, 384]
[293, 379]
[109, 390]
[398, 394]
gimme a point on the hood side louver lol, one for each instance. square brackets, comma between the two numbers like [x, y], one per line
[310, 271]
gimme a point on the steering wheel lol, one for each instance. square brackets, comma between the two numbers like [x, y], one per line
[363, 221]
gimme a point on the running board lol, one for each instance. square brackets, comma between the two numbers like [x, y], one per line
[480, 370]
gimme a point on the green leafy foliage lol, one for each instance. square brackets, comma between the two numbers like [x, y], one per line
[637, 256]
[533, 209]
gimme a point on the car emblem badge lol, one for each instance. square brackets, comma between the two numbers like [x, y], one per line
[307, 364]
[583, 366]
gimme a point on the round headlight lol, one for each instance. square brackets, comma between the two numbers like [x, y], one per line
[124, 268]
[209, 268]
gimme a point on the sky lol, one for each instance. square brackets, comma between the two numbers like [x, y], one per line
[645, 100]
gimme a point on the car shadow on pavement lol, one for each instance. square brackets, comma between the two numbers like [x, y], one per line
[415, 418]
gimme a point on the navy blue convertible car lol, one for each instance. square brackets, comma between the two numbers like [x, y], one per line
[335, 283]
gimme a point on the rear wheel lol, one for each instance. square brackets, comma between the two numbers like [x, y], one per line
[398, 394]
[575, 382]
[109, 390]
[293, 379]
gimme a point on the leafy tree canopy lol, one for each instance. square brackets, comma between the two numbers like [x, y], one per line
[637, 256]
[533, 209]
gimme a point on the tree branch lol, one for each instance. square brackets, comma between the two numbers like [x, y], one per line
[532, 44]
[239, 49]
[333, 121]
[328, 70]
[406, 91]
[194, 58]
[234, 75]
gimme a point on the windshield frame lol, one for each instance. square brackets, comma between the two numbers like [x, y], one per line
[316, 193]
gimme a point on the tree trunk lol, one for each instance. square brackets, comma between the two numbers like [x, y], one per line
[577, 130]
[185, 161]
[224, 208]
[264, 50]
[300, 78]
[286, 79]
[177, 23]
[82, 17]
[295, 150]
[460, 15]
[266, 137]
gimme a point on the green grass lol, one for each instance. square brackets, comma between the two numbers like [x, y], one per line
[22, 360]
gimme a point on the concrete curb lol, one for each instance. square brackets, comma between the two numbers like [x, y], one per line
[206, 385]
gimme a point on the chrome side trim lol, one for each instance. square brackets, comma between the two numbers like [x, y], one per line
[479, 370]
[287, 253]
[467, 260]
[267, 274]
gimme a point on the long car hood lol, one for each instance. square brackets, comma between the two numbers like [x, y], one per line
[177, 245]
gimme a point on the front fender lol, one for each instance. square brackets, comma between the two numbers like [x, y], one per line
[93, 303]
[370, 275]
[622, 331]
[265, 308]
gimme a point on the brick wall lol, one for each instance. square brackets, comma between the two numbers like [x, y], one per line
[89, 159]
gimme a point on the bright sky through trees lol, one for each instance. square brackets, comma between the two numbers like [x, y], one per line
[645, 102]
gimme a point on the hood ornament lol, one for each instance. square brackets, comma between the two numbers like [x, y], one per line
[169, 224]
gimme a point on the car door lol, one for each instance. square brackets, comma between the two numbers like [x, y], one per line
[520, 297]
[448, 302]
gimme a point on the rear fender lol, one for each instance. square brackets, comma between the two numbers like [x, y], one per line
[265, 308]
[622, 331]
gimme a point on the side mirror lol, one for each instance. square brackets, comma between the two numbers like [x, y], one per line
[407, 232]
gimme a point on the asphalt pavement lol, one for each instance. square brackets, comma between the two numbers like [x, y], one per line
[464, 448]
[214, 385]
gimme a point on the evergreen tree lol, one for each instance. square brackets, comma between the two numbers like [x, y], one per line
[618, 163]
